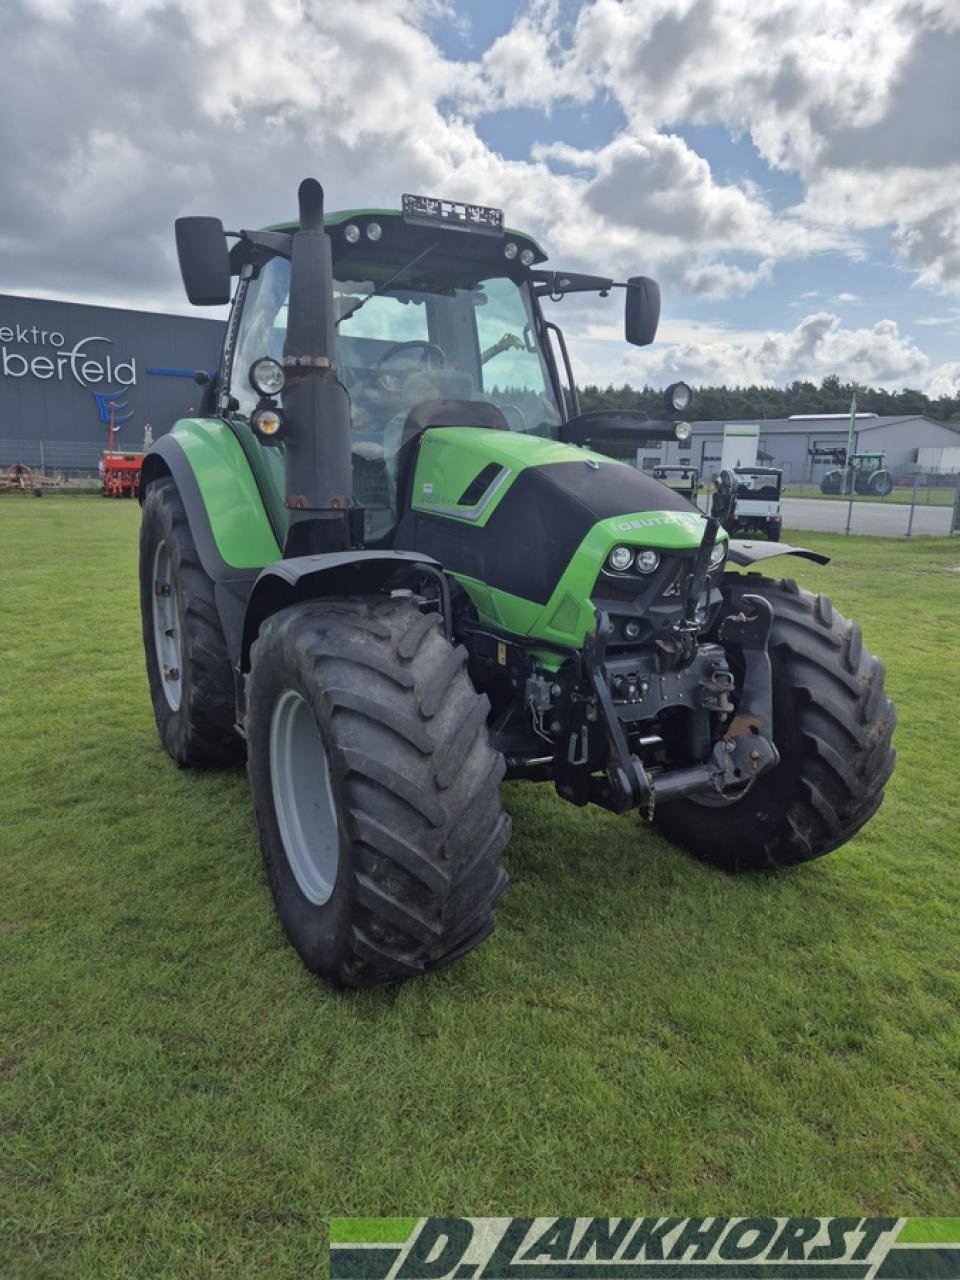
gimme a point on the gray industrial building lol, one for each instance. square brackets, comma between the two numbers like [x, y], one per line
[787, 443]
[61, 365]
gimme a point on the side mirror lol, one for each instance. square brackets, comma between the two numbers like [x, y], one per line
[204, 260]
[642, 310]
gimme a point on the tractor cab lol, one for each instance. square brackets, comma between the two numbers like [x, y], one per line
[436, 304]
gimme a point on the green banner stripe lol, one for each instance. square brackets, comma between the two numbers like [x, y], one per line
[371, 1230]
[930, 1231]
[920, 1264]
[678, 1270]
[361, 1264]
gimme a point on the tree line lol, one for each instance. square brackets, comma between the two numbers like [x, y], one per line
[732, 403]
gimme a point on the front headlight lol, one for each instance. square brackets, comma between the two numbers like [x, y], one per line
[647, 561]
[620, 558]
[267, 376]
[682, 430]
[679, 396]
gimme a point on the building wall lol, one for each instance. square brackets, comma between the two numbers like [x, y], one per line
[901, 443]
[789, 449]
[56, 358]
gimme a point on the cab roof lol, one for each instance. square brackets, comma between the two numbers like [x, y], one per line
[340, 217]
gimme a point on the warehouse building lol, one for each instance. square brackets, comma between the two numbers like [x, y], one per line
[62, 365]
[790, 443]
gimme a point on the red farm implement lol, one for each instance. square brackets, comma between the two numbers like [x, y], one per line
[119, 472]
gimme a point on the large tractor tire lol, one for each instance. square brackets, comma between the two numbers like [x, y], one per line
[191, 682]
[375, 789]
[881, 484]
[832, 726]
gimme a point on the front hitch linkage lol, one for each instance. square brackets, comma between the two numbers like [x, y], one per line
[746, 749]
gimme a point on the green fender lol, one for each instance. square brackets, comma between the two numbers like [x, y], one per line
[228, 501]
[232, 510]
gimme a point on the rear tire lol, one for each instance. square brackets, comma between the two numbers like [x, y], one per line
[375, 789]
[832, 726]
[188, 667]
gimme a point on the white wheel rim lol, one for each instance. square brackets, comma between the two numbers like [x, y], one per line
[303, 797]
[166, 627]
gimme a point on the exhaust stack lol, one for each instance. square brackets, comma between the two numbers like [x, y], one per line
[316, 409]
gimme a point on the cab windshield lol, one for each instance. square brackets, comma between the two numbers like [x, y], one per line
[421, 339]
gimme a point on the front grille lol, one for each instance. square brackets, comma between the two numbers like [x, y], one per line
[655, 600]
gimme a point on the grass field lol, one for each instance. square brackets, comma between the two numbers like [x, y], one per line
[641, 1034]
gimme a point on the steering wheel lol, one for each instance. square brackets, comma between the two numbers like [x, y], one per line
[430, 351]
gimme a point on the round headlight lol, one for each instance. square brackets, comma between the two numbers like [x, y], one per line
[679, 396]
[510, 250]
[717, 554]
[374, 231]
[647, 561]
[351, 233]
[631, 629]
[620, 558]
[682, 430]
[267, 376]
[526, 257]
[267, 423]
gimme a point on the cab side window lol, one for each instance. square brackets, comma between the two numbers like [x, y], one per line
[263, 328]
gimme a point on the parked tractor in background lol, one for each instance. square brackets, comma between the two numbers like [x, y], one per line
[383, 564]
[863, 473]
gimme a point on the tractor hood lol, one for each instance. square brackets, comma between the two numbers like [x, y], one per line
[526, 523]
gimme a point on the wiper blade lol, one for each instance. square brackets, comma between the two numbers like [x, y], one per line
[382, 288]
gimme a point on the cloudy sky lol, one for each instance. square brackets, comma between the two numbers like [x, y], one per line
[788, 169]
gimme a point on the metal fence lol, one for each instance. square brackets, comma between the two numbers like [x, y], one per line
[921, 504]
[53, 457]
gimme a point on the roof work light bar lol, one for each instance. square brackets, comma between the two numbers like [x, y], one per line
[431, 212]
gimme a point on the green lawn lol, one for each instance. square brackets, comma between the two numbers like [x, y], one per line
[179, 1098]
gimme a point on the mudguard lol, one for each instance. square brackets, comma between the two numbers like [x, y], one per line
[741, 552]
[226, 511]
[311, 577]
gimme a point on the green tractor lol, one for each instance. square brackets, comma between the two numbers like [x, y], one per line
[390, 563]
[864, 474]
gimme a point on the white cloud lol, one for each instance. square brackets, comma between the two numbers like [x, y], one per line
[817, 346]
[847, 297]
[119, 117]
[945, 380]
[859, 99]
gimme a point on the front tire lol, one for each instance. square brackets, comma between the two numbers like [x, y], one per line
[375, 789]
[832, 726]
[188, 667]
